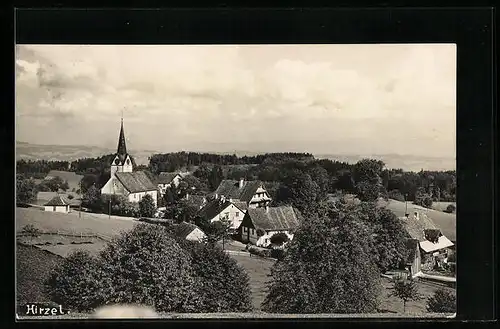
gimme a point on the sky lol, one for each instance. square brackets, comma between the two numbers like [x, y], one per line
[322, 99]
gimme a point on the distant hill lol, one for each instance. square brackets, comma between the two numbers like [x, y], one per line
[29, 151]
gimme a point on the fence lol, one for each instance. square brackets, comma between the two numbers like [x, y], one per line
[76, 235]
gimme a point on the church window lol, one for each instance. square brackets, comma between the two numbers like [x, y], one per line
[128, 161]
[117, 161]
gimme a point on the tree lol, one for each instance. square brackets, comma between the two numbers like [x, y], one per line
[367, 176]
[25, 190]
[217, 231]
[396, 195]
[92, 199]
[406, 290]
[300, 191]
[320, 176]
[279, 238]
[79, 282]
[220, 284]
[442, 302]
[216, 176]
[422, 198]
[451, 208]
[147, 206]
[369, 191]
[328, 268]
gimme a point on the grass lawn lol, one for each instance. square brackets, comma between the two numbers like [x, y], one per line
[71, 223]
[258, 270]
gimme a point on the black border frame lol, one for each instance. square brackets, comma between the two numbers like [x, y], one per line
[472, 29]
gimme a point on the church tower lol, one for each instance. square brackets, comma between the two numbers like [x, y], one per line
[122, 161]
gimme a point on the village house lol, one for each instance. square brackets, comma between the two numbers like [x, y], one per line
[57, 204]
[222, 209]
[426, 243]
[260, 224]
[72, 198]
[188, 231]
[124, 181]
[252, 193]
[167, 179]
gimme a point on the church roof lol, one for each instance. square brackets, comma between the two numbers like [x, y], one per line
[135, 182]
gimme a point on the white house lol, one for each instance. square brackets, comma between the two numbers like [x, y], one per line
[222, 209]
[253, 193]
[260, 224]
[189, 232]
[57, 204]
[167, 179]
[124, 181]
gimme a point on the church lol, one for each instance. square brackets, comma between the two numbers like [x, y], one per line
[124, 181]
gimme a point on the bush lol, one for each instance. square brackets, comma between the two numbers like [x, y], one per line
[79, 283]
[396, 195]
[147, 206]
[442, 302]
[262, 252]
[221, 285]
[451, 208]
[279, 254]
[279, 238]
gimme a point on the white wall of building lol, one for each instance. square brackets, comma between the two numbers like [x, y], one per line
[231, 213]
[136, 197]
[250, 234]
[64, 209]
[127, 166]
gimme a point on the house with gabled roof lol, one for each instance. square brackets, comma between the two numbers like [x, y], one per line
[260, 224]
[57, 204]
[425, 242]
[253, 193]
[167, 179]
[188, 231]
[123, 180]
[222, 209]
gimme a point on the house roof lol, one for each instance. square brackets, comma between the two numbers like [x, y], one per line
[136, 181]
[167, 177]
[213, 207]
[57, 201]
[241, 205]
[444, 221]
[43, 197]
[183, 229]
[443, 242]
[231, 190]
[416, 227]
[274, 218]
[197, 200]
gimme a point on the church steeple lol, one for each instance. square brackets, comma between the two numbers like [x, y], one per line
[122, 146]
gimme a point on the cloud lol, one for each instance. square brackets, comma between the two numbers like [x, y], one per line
[173, 95]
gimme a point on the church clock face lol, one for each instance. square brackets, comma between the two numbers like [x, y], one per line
[117, 161]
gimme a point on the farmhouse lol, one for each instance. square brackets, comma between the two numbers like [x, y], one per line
[57, 204]
[252, 193]
[426, 243]
[222, 209]
[188, 231]
[167, 179]
[72, 198]
[260, 224]
[72, 178]
[124, 181]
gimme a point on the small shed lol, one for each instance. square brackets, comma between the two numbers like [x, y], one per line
[189, 232]
[57, 204]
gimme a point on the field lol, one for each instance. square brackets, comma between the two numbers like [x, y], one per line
[441, 206]
[71, 223]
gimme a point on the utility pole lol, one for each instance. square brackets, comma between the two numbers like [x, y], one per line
[81, 200]
[406, 204]
[109, 209]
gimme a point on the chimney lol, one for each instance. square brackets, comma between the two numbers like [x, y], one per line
[241, 182]
[216, 196]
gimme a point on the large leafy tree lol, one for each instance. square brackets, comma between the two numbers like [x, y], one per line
[221, 285]
[328, 267]
[369, 183]
[423, 198]
[25, 190]
[300, 191]
[146, 206]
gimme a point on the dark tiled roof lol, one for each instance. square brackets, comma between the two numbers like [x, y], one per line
[274, 218]
[136, 181]
[183, 229]
[196, 200]
[57, 201]
[416, 227]
[166, 177]
[44, 197]
[231, 190]
[241, 205]
[213, 208]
